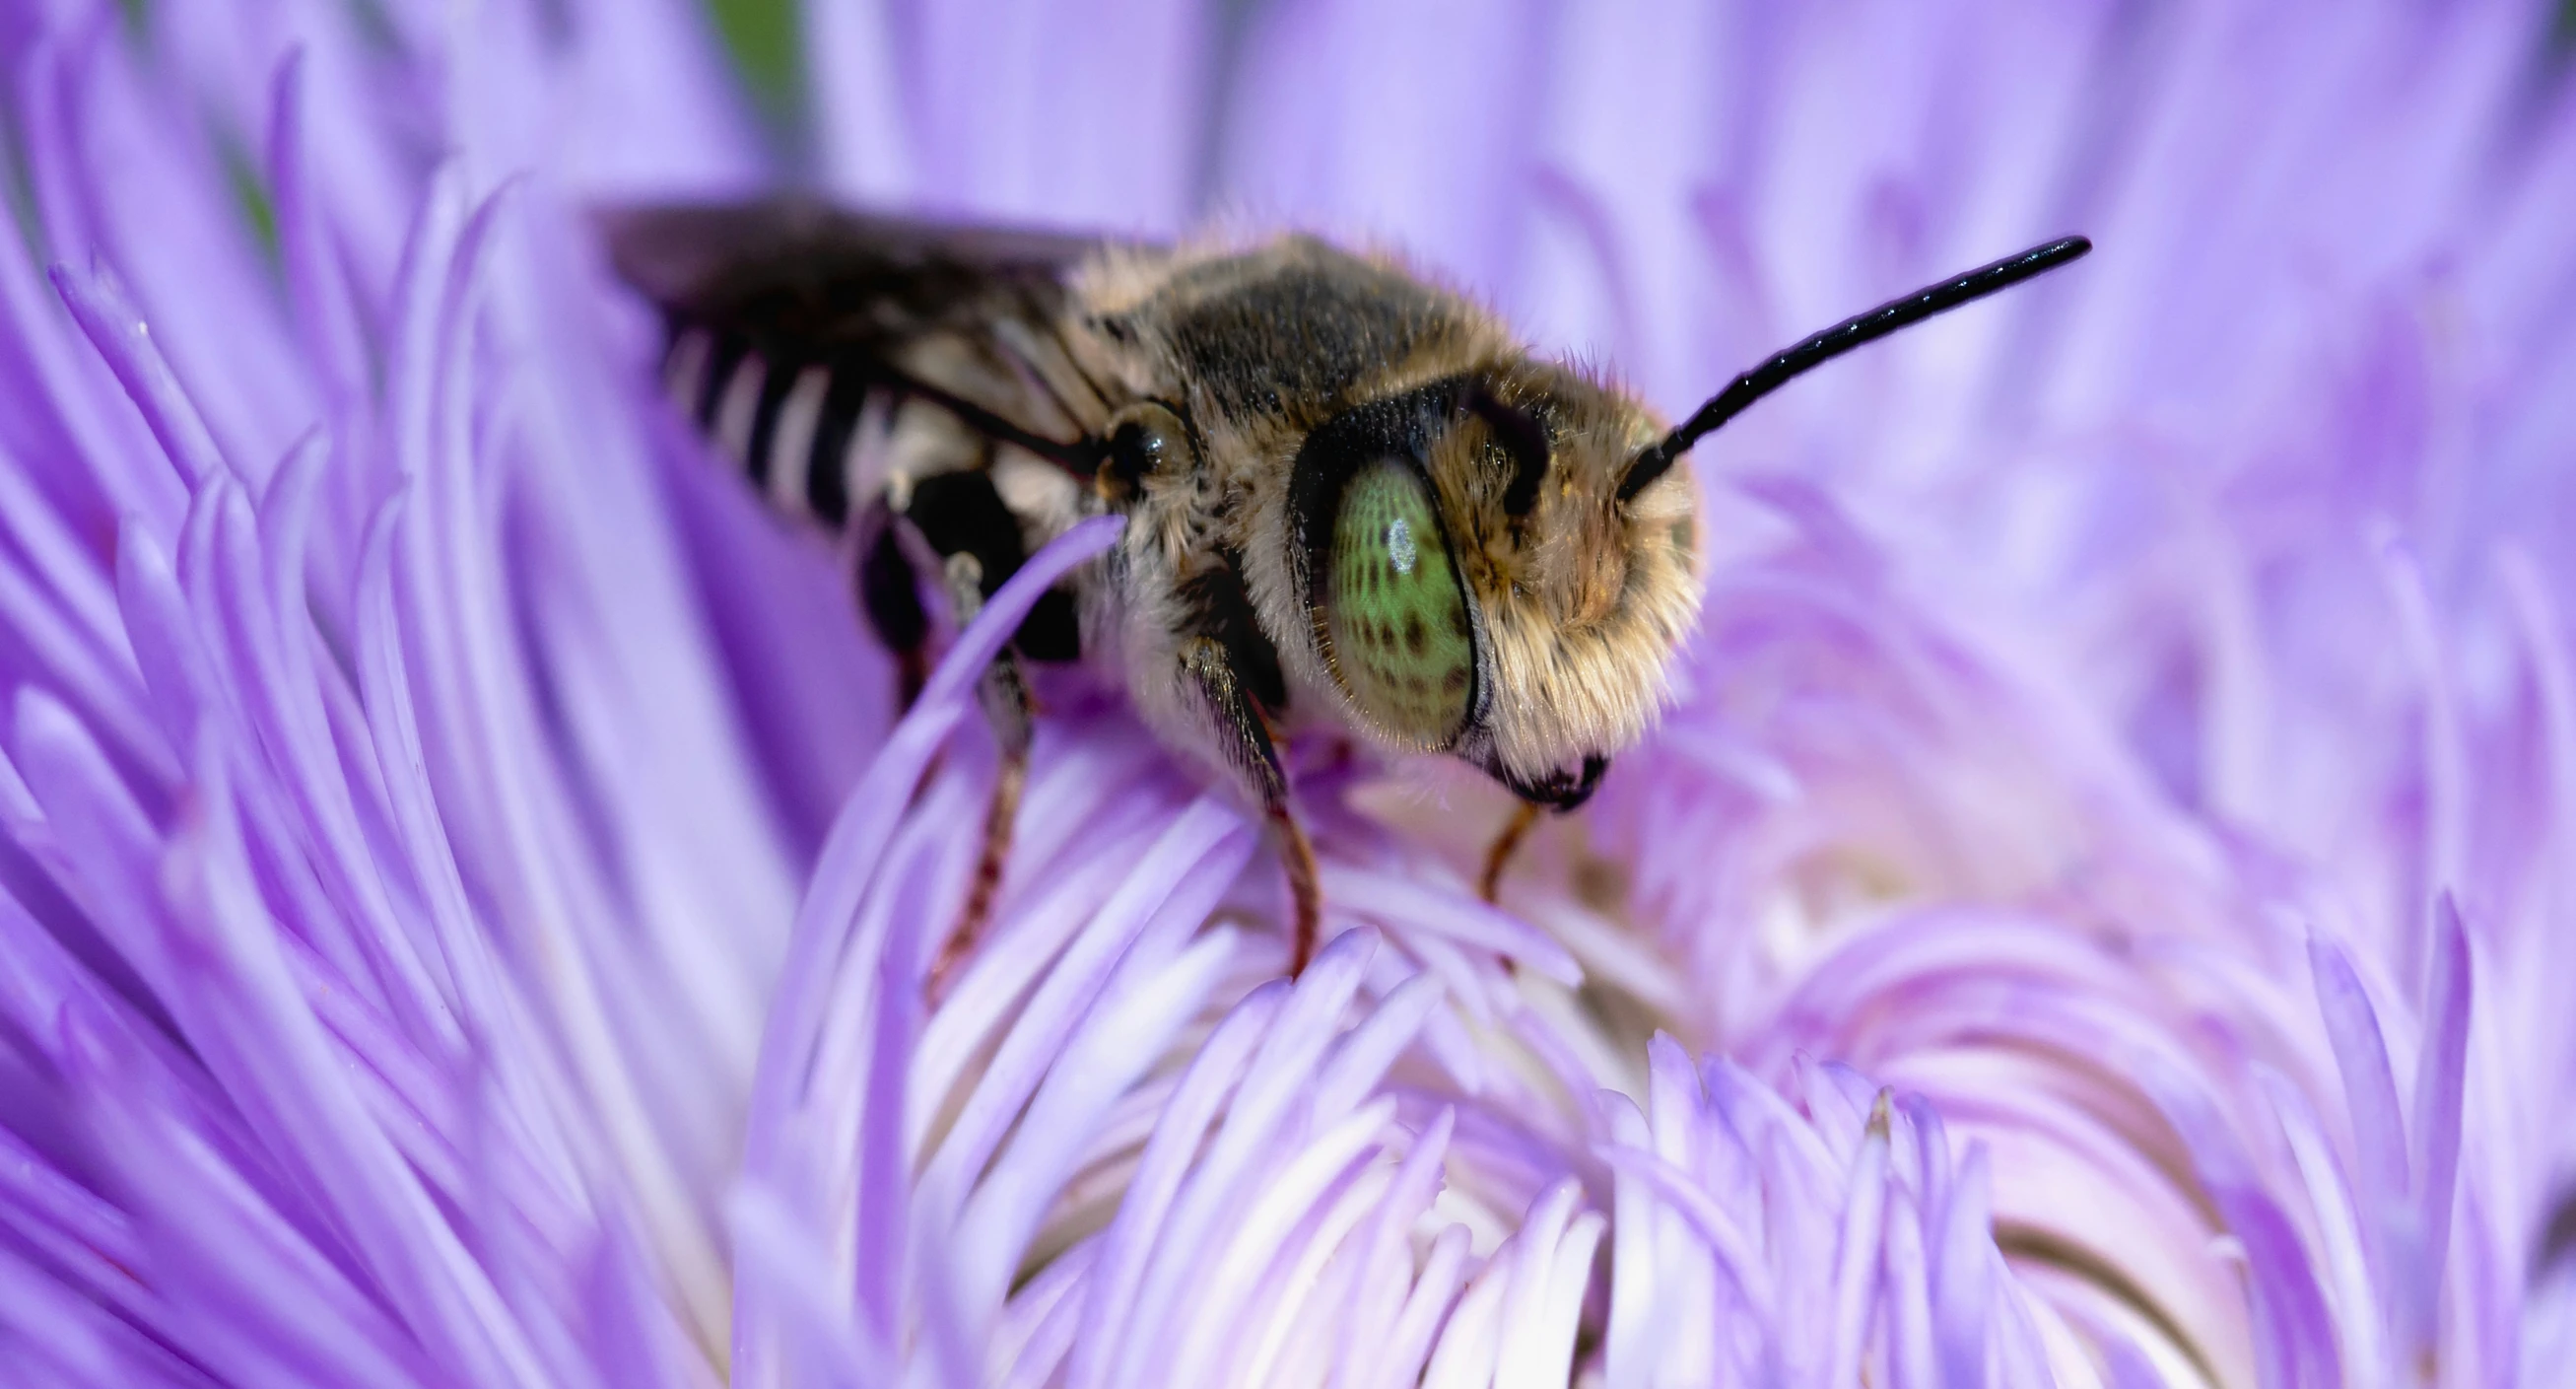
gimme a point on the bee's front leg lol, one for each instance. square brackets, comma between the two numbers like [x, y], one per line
[1235, 721]
[1507, 842]
[1560, 791]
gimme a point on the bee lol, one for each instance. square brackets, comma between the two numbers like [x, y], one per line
[1355, 500]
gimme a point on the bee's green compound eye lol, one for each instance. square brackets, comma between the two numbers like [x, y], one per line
[1394, 613]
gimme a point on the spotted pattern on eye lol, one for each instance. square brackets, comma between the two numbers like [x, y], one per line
[1395, 616]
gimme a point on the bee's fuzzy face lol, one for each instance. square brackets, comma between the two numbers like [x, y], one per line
[1580, 599]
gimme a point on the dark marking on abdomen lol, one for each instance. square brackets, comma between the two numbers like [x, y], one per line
[961, 513]
[764, 422]
[701, 368]
[724, 356]
[827, 487]
[955, 512]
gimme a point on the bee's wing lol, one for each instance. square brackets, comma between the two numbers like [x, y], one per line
[969, 318]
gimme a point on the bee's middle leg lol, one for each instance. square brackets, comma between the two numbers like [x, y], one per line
[1004, 694]
[1245, 737]
[957, 515]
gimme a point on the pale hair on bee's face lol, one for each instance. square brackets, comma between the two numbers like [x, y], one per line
[1580, 597]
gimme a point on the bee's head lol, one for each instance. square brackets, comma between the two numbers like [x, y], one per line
[1476, 583]
[1499, 564]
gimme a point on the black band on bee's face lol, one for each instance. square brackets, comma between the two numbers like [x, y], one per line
[1372, 565]
[1523, 438]
[1400, 427]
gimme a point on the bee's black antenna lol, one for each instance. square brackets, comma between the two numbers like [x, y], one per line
[1790, 363]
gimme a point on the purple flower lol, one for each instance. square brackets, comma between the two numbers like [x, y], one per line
[2098, 912]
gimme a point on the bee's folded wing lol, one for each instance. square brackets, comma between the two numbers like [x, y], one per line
[970, 318]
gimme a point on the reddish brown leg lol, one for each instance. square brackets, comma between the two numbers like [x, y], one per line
[1005, 697]
[1001, 813]
[1305, 886]
[1498, 855]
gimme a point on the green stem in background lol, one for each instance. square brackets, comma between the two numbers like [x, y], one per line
[765, 39]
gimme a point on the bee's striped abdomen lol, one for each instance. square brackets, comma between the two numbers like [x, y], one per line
[867, 374]
[799, 432]
[793, 428]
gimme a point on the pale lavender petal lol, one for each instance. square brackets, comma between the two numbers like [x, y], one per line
[1912, 1356]
[1287, 1217]
[1859, 1251]
[1130, 1242]
[2357, 1281]
[2370, 1088]
[1064, 1116]
[1963, 1268]
[1427, 1308]
[2439, 1076]
[1386, 1278]
[1270, 1097]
